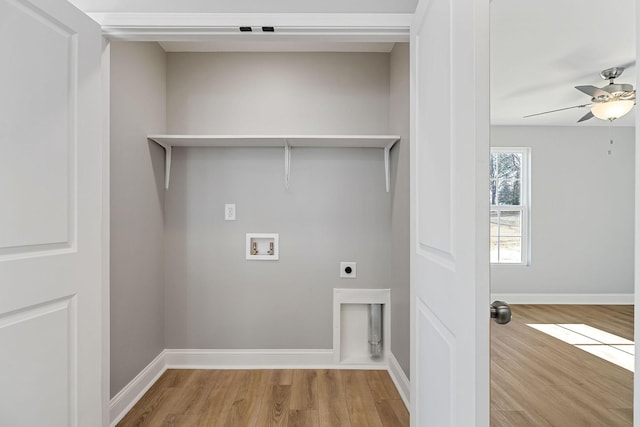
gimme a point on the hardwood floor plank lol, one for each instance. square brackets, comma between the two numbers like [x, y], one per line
[401, 411]
[274, 405]
[332, 405]
[382, 386]
[516, 418]
[157, 396]
[624, 415]
[194, 395]
[281, 376]
[362, 407]
[568, 405]
[609, 390]
[388, 414]
[146, 407]
[244, 409]
[304, 418]
[219, 400]
[304, 390]
[174, 401]
[274, 409]
[174, 378]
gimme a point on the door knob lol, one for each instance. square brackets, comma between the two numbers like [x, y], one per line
[500, 312]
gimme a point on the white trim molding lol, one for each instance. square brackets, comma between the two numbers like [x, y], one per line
[248, 359]
[344, 27]
[400, 380]
[587, 299]
[122, 402]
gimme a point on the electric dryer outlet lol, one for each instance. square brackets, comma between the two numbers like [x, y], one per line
[348, 269]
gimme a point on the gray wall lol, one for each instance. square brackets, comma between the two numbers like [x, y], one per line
[336, 208]
[399, 124]
[278, 93]
[137, 198]
[582, 211]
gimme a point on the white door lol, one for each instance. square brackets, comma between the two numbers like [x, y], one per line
[51, 349]
[450, 214]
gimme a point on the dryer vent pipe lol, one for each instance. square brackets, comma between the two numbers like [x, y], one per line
[375, 330]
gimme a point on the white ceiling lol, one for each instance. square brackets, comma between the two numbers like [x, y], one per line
[249, 6]
[541, 49]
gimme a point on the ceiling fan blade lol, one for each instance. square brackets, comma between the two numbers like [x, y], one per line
[587, 116]
[593, 91]
[559, 109]
[628, 64]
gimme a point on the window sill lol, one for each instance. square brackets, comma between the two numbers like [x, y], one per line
[509, 265]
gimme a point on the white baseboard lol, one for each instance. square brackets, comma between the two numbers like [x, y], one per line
[612, 299]
[400, 380]
[132, 392]
[248, 359]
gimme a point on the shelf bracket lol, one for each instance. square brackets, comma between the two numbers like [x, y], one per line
[387, 166]
[287, 163]
[167, 162]
[167, 166]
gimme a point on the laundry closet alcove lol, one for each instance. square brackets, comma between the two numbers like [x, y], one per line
[305, 144]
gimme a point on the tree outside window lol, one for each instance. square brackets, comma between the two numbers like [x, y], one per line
[509, 210]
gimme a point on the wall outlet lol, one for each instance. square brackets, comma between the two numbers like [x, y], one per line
[348, 269]
[230, 212]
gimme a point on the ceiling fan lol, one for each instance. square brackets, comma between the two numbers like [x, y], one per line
[607, 103]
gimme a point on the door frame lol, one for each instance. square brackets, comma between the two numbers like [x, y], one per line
[382, 27]
[106, 233]
[636, 296]
[168, 27]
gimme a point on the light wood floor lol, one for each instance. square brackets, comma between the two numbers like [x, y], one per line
[331, 398]
[538, 380]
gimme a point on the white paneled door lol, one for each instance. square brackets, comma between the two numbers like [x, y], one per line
[449, 214]
[51, 349]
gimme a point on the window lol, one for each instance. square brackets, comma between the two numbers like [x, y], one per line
[509, 218]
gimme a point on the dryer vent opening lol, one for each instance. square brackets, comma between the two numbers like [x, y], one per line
[375, 330]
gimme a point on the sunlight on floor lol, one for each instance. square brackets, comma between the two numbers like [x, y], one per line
[607, 346]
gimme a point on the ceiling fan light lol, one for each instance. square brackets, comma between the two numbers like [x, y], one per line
[612, 110]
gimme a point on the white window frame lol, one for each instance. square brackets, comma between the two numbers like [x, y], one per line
[523, 208]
